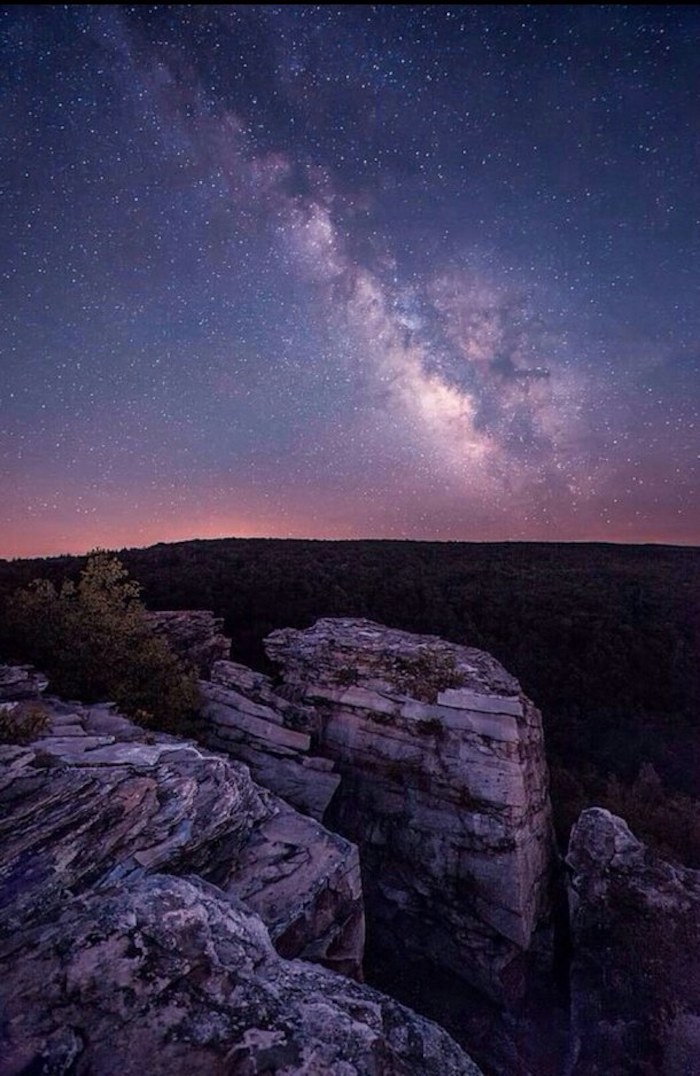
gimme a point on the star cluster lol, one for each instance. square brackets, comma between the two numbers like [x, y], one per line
[349, 271]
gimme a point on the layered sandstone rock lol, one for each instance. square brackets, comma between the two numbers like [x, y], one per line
[444, 787]
[242, 715]
[635, 976]
[97, 801]
[195, 635]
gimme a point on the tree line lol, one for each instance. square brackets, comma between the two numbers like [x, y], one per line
[604, 638]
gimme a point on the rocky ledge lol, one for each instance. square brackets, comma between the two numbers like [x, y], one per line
[151, 895]
[245, 717]
[161, 911]
[444, 787]
[20, 682]
[161, 975]
[95, 800]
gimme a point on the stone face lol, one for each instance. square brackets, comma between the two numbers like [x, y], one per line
[97, 801]
[195, 635]
[243, 716]
[161, 975]
[444, 787]
[258, 688]
[635, 976]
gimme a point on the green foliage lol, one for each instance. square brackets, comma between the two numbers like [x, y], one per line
[94, 642]
[668, 822]
[425, 675]
[22, 722]
[604, 638]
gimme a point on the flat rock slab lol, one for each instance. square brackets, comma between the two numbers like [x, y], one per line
[305, 884]
[346, 650]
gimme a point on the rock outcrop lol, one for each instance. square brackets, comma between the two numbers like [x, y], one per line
[243, 716]
[635, 976]
[444, 787]
[194, 634]
[97, 801]
[149, 895]
[160, 975]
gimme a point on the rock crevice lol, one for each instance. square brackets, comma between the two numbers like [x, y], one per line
[444, 787]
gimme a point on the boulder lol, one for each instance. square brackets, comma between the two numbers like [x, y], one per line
[444, 787]
[635, 974]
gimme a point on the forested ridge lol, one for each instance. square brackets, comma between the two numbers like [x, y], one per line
[604, 638]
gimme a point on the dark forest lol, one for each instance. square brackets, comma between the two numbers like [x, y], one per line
[604, 638]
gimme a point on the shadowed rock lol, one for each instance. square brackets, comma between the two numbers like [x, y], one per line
[20, 682]
[97, 801]
[242, 715]
[194, 634]
[635, 977]
[108, 966]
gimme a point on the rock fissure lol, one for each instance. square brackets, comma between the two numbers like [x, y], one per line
[451, 789]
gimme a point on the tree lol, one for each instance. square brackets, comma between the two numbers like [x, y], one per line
[94, 642]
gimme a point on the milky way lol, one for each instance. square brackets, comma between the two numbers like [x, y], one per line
[424, 272]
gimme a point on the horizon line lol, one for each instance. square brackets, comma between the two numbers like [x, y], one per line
[643, 543]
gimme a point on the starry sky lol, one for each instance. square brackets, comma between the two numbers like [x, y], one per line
[348, 271]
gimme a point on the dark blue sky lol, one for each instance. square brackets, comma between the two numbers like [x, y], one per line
[349, 271]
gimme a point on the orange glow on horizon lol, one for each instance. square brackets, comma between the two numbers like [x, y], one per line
[78, 539]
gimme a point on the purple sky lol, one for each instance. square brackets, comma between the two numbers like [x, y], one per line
[349, 271]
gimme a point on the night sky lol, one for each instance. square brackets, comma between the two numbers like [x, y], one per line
[423, 272]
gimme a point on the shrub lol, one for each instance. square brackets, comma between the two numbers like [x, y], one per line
[22, 722]
[668, 822]
[94, 642]
[424, 675]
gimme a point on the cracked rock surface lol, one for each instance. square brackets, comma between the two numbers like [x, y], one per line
[150, 893]
[161, 975]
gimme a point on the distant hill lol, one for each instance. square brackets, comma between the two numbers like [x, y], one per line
[604, 638]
